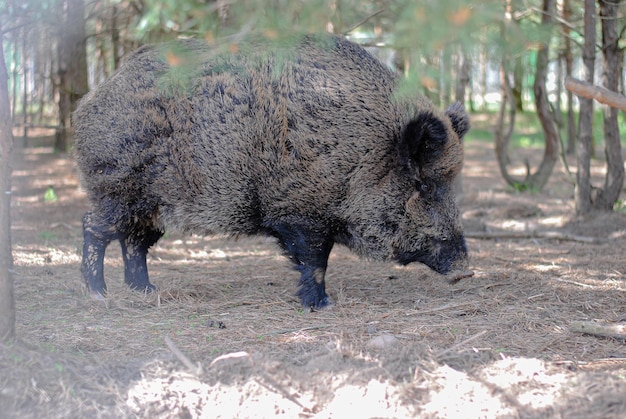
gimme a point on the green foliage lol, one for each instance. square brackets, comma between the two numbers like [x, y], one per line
[430, 26]
[521, 187]
[406, 24]
[211, 20]
[47, 236]
[50, 195]
[620, 206]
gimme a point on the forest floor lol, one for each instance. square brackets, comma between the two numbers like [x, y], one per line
[225, 336]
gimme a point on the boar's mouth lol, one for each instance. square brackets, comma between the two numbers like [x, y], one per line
[442, 256]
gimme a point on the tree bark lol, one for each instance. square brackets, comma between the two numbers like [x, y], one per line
[537, 180]
[115, 39]
[25, 63]
[551, 132]
[7, 304]
[504, 131]
[585, 120]
[518, 84]
[569, 68]
[72, 68]
[598, 93]
[463, 77]
[614, 180]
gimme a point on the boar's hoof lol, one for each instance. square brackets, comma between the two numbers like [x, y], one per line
[97, 296]
[324, 305]
[315, 302]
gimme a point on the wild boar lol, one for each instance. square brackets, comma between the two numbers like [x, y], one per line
[306, 141]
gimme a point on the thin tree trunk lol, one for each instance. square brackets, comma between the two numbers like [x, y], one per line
[503, 131]
[115, 41]
[482, 82]
[72, 68]
[463, 77]
[16, 73]
[550, 128]
[569, 68]
[537, 180]
[518, 84]
[25, 85]
[459, 96]
[7, 304]
[614, 179]
[585, 119]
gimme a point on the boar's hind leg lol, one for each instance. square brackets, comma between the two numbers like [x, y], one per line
[96, 237]
[309, 250]
[135, 245]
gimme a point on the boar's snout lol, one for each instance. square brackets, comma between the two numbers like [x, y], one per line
[441, 255]
[451, 255]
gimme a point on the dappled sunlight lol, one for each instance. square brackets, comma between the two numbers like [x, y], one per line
[554, 221]
[51, 256]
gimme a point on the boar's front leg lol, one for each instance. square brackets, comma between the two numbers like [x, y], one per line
[135, 245]
[96, 238]
[309, 248]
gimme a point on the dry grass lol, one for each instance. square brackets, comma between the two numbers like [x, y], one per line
[399, 341]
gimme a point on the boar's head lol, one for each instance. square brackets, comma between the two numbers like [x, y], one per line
[402, 206]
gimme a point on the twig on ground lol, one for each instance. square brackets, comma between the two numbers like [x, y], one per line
[301, 329]
[617, 330]
[553, 235]
[580, 284]
[455, 277]
[441, 308]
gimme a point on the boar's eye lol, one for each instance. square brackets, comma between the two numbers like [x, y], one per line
[426, 189]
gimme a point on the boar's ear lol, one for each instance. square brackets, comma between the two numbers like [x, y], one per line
[458, 118]
[423, 139]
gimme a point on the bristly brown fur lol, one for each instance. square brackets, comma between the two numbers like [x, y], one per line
[305, 142]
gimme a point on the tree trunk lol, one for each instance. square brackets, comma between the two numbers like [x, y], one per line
[115, 40]
[462, 82]
[72, 68]
[569, 68]
[7, 304]
[518, 84]
[25, 63]
[537, 180]
[445, 70]
[503, 131]
[585, 119]
[482, 80]
[614, 179]
[550, 129]
[463, 77]
[16, 72]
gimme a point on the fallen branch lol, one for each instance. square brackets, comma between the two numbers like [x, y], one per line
[553, 235]
[601, 94]
[610, 330]
[455, 277]
[299, 329]
[445, 307]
